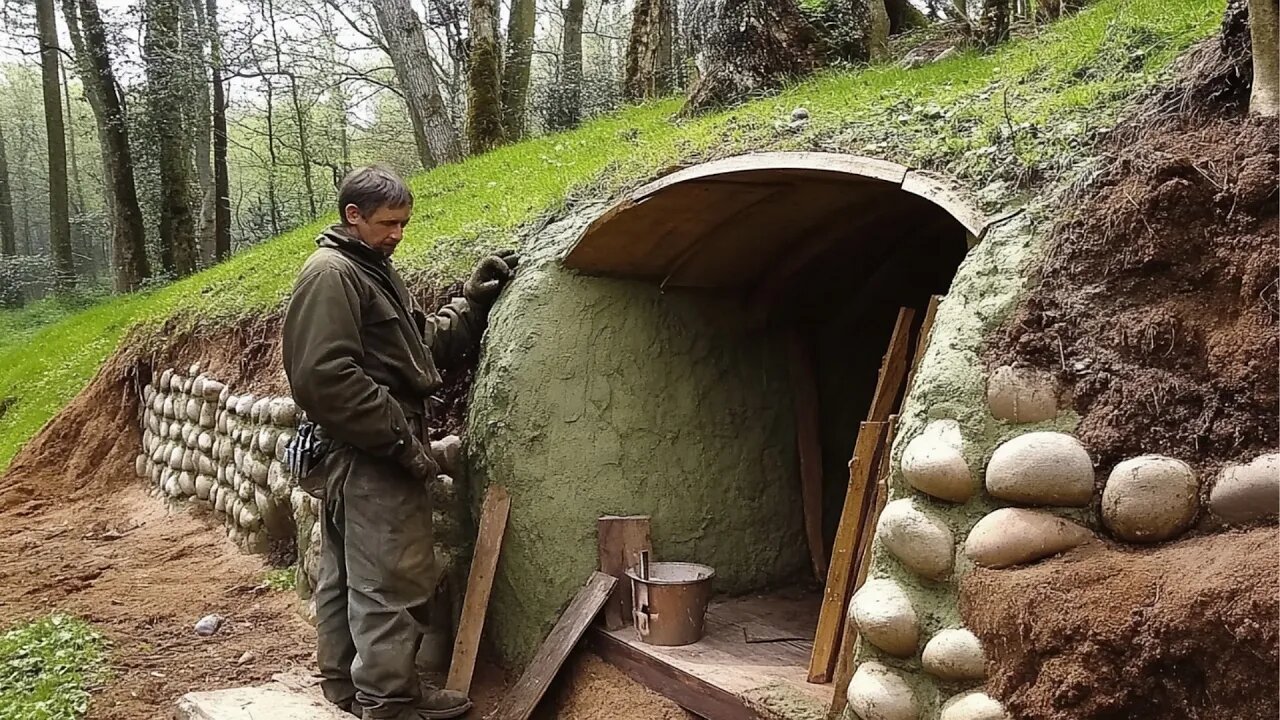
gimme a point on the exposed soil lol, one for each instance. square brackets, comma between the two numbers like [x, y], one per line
[1181, 632]
[1157, 305]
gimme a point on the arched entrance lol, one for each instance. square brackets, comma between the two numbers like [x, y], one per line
[847, 257]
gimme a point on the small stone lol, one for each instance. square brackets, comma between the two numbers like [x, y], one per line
[933, 463]
[1041, 468]
[165, 377]
[946, 54]
[878, 693]
[244, 405]
[799, 114]
[208, 625]
[885, 618]
[954, 655]
[197, 386]
[447, 451]
[248, 657]
[140, 465]
[1013, 536]
[921, 543]
[212, 390]
[204, 484]
[1150, 498]
[284, 412]
[973, 706]
[175, 383]
[1249, 492]
[260, 410]
[1022, 395]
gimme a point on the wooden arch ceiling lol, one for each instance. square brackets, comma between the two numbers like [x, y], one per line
[743, 222]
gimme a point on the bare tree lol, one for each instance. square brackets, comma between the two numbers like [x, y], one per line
[856, 31]
[128, 238]
[484, 79]
[515, 67]
[751, 46]
[8, 238]
[1265, 97]
[167, 82]
[406, 43]
[56, 139]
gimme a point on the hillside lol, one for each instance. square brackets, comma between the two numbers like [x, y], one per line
[1002, 122]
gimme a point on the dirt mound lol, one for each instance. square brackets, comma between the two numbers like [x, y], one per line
[1178, 632]
[1157, 306]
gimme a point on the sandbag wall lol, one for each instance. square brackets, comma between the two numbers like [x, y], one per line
[225, 452]
[203, 443]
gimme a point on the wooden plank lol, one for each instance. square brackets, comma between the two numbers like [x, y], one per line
[685, 689]
[922, 341]
[893, 369]
[519, 702]
[844, 663]
[484, 563]
[839, 577]
[804, 388]
[620, 540]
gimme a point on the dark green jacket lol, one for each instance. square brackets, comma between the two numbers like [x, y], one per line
[360, 355]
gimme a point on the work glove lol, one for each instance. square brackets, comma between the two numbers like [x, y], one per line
[415, 458]
[490, 276]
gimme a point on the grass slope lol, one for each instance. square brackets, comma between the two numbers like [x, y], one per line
[1029, 111]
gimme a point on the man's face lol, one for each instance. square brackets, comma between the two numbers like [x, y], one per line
[383, 230]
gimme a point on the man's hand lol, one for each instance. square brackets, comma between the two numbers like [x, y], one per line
[415, 458]
[490, 276]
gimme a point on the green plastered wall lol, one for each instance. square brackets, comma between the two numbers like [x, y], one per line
[951, 384]
[597, 396]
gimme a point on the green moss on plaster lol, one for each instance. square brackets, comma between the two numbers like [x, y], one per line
[598, 396]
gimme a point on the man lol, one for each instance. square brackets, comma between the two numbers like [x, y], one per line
[362, 361]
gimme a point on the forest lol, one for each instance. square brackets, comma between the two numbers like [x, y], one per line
[169, 134]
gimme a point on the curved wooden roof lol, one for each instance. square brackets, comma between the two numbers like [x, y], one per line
[734, 222]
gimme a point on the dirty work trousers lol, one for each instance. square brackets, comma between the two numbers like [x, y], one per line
[377, 575]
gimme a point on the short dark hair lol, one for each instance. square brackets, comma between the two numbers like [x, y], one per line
[370, 188]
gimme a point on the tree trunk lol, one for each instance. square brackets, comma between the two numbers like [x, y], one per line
[274, 162]
[299, 117]
[406, 43]
[856, 31]
[56, 139]
[128, 238]
[1265, 97]
[904, 16]
[167, 81]
[571, 53]
[484, 79]
[754, 47]
[8, 236]
[993, 29]
[649, 23]
[202, 131]
[515, 67]
[89, 266]
[221, 179]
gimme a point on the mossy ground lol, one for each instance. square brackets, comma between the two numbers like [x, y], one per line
[47, 667]
[1031, 110]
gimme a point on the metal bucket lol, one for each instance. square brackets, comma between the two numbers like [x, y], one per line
[670, 601]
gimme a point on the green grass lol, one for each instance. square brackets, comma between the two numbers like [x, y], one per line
[47, 667]
[1028, 113]
[281, 579]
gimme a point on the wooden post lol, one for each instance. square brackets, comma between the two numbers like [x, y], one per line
[484, 563]
[620, 540]
[893, 369]
[519, 702]
[862, 564]
[840, 575]
[922, 341]
[809, 446]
